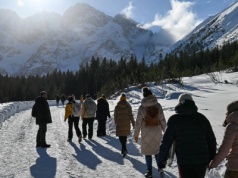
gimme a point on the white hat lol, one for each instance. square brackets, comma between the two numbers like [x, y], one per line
[184, 96]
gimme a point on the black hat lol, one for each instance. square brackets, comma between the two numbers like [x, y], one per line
[70, 98]
[42, 93]
[146, 91]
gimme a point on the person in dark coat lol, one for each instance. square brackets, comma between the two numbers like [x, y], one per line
[195, 142]
[101, 115]
[57, 100]
[63, 98]
[43, 117]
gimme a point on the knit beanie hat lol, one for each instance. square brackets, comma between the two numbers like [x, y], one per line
[123, 97]
[146, 91]
[233, 106]
[184, 96]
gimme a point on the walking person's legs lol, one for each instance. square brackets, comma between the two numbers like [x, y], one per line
[76, 126]
[84, 127]
[103, 127]
[148, 160]
[70, 131]
[90, 127]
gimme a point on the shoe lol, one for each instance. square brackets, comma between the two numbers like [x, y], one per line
[161, 172]
[45, 146]
[124, 154]
[80, 139]
[69, 140]
[148, 174]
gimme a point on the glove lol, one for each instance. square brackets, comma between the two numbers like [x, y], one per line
[136, 139]
[65, 120]
[161, 166]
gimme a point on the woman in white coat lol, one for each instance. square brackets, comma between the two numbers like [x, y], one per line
[150, 135]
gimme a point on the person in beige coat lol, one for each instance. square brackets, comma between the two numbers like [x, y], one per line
[229, 146]
[123, 119]
[150, 135]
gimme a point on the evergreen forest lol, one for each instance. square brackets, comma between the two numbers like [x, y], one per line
[108, 76]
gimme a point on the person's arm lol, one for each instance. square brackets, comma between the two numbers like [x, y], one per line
[225, 147]
[167, 141]
[138, 124]
[162, 119]
[211, 140]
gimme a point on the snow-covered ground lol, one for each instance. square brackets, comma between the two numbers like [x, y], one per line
[100, 157]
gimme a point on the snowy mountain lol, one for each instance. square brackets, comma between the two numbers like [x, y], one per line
[47, 41]
[215, 31]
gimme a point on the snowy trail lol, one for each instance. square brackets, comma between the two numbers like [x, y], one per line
[99, 157]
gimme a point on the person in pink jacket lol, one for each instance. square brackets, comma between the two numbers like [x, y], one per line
[229, 146]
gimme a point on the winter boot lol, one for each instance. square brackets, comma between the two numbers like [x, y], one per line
[148, 174]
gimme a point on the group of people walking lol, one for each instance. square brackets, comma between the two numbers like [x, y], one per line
[188, 134]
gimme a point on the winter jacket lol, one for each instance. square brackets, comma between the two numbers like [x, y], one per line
[68, 111]
[193, 135]
[229, 146]
[123, 117]
[88, 103]
[43, 115]
[150, 135]
[102, 109]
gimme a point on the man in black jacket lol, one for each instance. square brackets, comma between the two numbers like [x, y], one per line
[43, 117]
[195, 142]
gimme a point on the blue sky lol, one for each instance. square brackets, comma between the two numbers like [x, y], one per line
[176, 16]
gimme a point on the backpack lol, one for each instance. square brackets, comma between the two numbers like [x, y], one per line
[151, 118]
[90, 108]
[76, 109]
[34, 111]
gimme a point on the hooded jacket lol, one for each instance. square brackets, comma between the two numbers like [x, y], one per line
[193, 135]
[88, 101]
[150, 136]
[229, 146]
[123, 118]
[43, 115]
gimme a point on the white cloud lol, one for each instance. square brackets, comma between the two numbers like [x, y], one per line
[128, 11]
[20, 3]
[179, 21]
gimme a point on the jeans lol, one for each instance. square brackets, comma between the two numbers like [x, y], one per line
[148, 160]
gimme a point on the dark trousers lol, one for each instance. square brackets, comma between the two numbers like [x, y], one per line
[192, 170]
[40, 137]
[148, 160]
[101, 127]
[123, 140]
[73, 121]
[89, 122]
